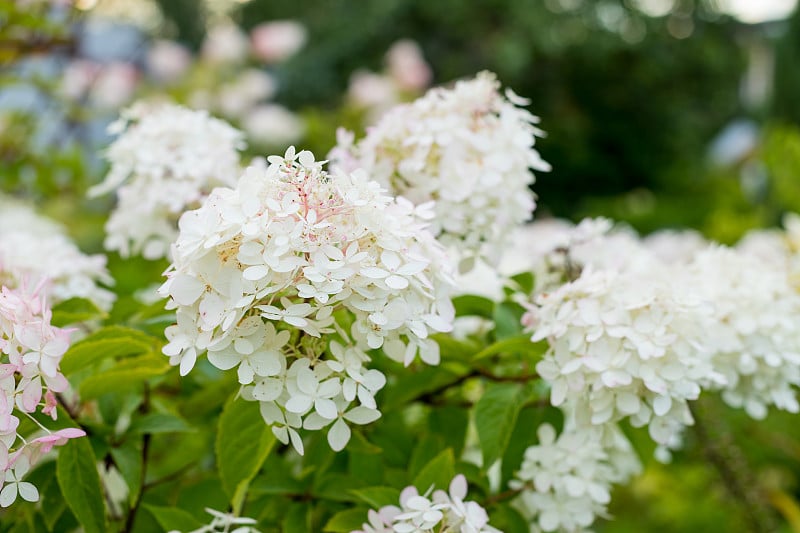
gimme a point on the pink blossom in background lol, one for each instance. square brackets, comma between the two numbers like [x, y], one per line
[277, 40]
[168, 61]
[407, 66]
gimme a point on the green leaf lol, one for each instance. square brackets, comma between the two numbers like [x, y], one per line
[124, 376]
[439, 472]
[75, 310]
[508, 519]
[507, 316]
[409, 388]
[76, 471]
[518, 344]
[173, 519]
[523, 282]
[451, 423]
[495, 416]
[524, 435]
[113, 341]
[298, 518]
[243, 443]
[472, 305]
[128, 458]
[346, 521]
[159, 423]
[377, 497]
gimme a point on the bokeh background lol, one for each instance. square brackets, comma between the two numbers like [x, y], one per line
[658, 113]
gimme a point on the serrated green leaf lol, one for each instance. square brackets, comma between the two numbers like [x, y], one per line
[159, 423]
[172, 518]
[124, 376]
[243, 443]
[377, 497]
[473, 305]
[495, 416]
[109, 342]
[439, 472]
[75, 310]
[76, 472]
[346, 521]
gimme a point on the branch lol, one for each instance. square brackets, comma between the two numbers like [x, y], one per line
[720, 450]
[144, 409]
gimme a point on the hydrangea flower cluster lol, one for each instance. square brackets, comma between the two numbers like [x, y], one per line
[443, 511]
[223, 522]
[166, 160]
[468, 148]
[757, 342]
[33, 247]
[30, 351]
[262, 271]
[565, 480]
[625, 345]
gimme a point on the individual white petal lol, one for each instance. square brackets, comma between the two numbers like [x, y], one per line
[28, 491]
[338, 435]
[8, 495]
[362, 415]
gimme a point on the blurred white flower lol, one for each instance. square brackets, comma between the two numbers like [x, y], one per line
[273, 125]
[470, 150]
[407, 66]
[166, 160]
[277, 40]
[33, 248]
[566, 479]
[225, 43]
[114, 85]
[168, 61]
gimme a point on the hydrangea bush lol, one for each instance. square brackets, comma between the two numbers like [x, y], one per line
[312, 360]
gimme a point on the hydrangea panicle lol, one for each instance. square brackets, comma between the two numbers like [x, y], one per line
[34, 247]
[468, 148]
[443, 511]
[166, 160]
[262, 270]
[30, 353]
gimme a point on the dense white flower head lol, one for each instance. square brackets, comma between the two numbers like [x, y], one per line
[625, 344]
[467, 148]
[675, 247]
[566, 479]
[30, 353]
[443, 511]
[755, 333]
[166, 160]
[262, 271]
[33, 247]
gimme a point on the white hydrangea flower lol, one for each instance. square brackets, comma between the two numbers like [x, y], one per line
[467, 148]
[291, 248]
[33, 248]
[444, 511]
[625, 344]
[566, 479]
[755, 335]
[675, 247]
[225, 523]
[166, 160]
